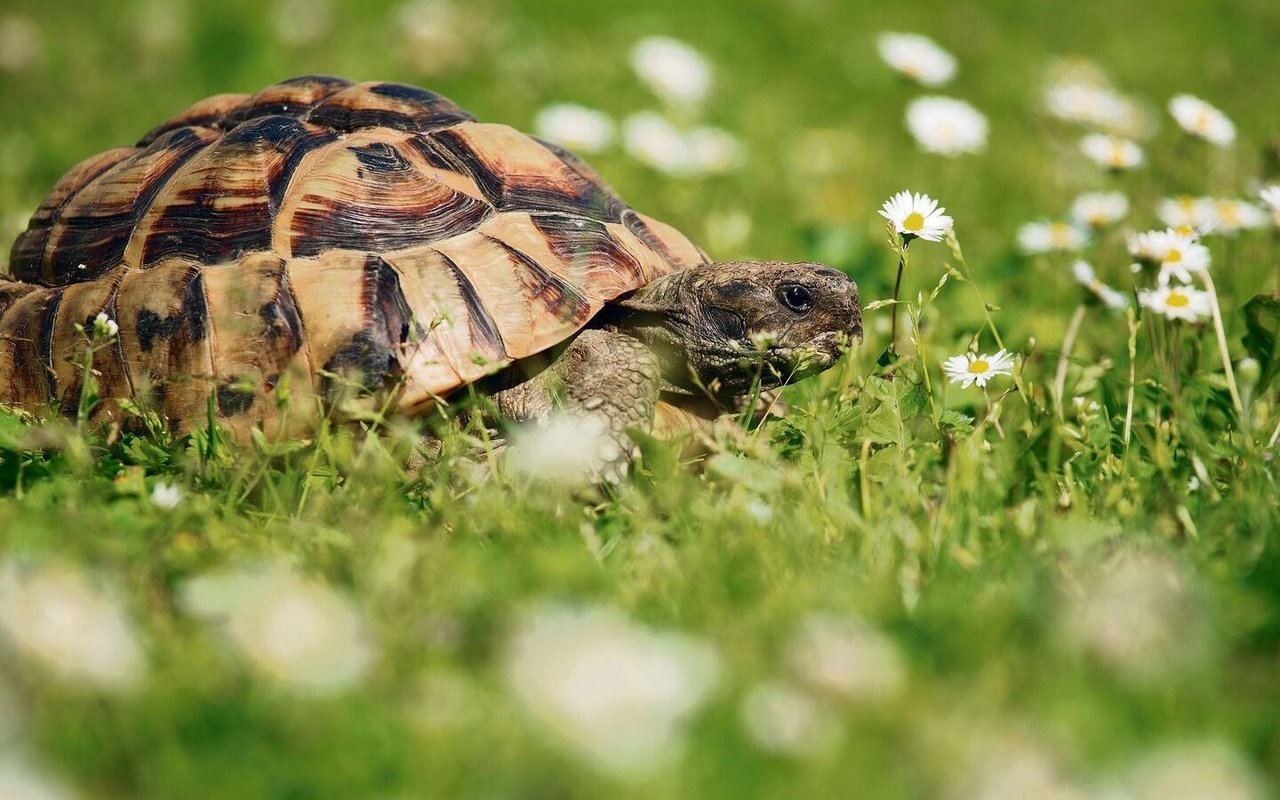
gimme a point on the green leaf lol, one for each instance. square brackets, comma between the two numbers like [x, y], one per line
[1262, 323]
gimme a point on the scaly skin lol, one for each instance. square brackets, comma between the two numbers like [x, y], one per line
[716, 330]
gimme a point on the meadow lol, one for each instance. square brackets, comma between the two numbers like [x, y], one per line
[1063, 583]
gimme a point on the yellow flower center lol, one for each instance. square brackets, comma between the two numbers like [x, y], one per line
[1229, 215]
[1184, 230]
[1173, 256]
[1060, 234]
[1177, 300]
[914, 222]
[978, 366]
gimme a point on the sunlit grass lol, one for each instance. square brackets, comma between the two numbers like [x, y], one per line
[1062, 581]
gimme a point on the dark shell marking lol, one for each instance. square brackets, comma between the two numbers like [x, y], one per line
[316, 233]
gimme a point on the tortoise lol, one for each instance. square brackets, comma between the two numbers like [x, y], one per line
[263, 254]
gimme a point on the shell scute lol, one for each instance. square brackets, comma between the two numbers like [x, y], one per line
[386, 105]
[224, 202]
[369, 194]
[95, 226]
[517, 173]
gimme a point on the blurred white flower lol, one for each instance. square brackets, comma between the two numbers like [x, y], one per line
[1178, 255]
[1044, 236]
[1112, 152]
[846, 657]
[302, 22]
[1270, 196]
[1136, 616]
[970, 368]
[784, 719]
[438, 37]
[298, 632]
[1187, 214]
[566, 448]
[916, 216]
[1006, 766]
[1198, 118]
[1087, 104]
[615, 693]
[58, 616]
[1177, 302]
[713, 150]
[1195, 771]
[946, 126]
[20, 43]
[654, 140]
[1100, 209]
[918, 57]
[672, 69]
[1086, 277]
[1229, 216]
[1083, 405]
[105, 327]
[20, 780]
[166, 496]
[575, 127]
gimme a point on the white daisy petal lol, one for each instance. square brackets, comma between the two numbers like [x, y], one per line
[1177, 302]
[916, 216]
[946, 126]
[1100, 209]
[970, 368]
[917, 57]
[1112, 152]
[1044, 236]
[1199, 118]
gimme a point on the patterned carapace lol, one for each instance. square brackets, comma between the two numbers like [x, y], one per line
[317, 229]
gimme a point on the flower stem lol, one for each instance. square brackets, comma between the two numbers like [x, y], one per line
[1068, 344]
[897, 286]
[1134, 324]
[1222, 347]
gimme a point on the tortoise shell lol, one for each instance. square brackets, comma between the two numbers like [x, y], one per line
[316, 229]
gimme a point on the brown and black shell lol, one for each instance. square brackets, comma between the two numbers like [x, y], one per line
[254, 245]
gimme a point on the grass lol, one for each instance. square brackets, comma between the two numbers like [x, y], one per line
[1062, 611]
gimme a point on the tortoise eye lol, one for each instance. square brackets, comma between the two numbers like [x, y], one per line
[796, 297]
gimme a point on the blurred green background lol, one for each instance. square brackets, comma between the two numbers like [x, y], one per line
[978, 563]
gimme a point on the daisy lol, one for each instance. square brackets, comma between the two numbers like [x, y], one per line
[166, 496]
[1230, 216]
[1177, 254]
[1112, 152]
[672, 69]
[1043, 236]
[1271, 197]
[713, 150]
[1186, 213]
[651, 138]
[575, 127]
[1113, 299]
[946, 126]
[918, 57]
[970, 368]
[1100, 209]
[105, 326]
[916, 216]
[1089, 105]
[1198, 118]
[1177, 302]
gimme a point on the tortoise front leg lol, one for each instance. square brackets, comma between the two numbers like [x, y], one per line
[608, 380]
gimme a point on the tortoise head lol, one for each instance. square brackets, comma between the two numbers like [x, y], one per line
[729, 325]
